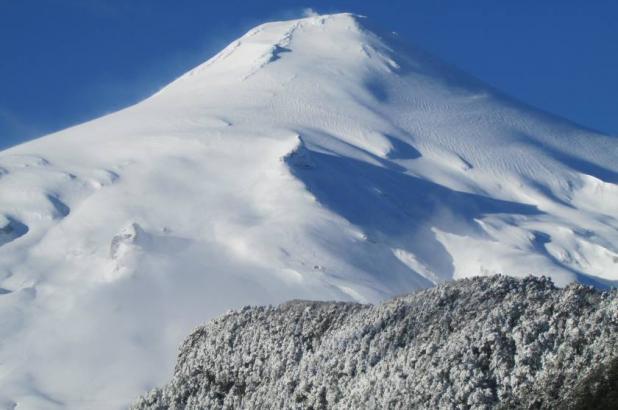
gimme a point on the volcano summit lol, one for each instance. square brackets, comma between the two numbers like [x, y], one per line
[317, 159]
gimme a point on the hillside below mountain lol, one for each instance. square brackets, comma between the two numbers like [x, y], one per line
[480, 343]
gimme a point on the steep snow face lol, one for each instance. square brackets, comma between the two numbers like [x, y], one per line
[310, 159]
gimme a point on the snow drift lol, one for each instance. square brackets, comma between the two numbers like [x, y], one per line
[316, 159]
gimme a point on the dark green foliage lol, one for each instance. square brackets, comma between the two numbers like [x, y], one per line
[598, 390]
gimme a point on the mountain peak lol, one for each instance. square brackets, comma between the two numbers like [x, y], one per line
[314, 38]
[309, 159]
[333, 24]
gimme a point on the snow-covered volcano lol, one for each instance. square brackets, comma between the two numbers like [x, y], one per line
[313, 158]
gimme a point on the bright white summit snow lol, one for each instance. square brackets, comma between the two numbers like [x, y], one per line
[309, 159]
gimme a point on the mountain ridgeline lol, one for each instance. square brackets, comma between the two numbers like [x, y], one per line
[481, 343]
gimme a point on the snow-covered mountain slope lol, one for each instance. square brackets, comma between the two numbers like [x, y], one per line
[310, 159]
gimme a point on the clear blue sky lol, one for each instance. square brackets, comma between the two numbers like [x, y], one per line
[66, 61]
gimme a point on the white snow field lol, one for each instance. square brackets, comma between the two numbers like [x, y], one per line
[315, 159]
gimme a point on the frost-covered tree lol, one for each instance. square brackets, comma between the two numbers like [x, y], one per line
[494, 342]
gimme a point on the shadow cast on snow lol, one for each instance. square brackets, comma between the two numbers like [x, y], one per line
[399, 209]
[577, 164]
